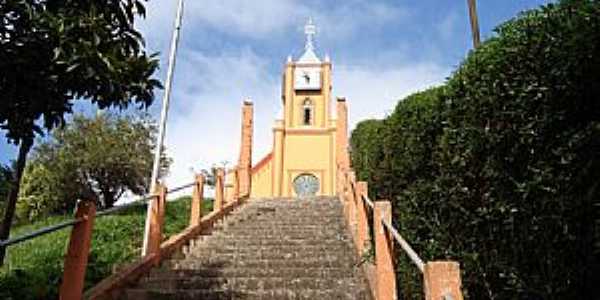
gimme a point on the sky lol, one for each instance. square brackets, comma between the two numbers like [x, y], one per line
[230, 50]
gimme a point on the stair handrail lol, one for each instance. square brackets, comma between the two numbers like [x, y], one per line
[75, 260]
[70, 222]
[441, 278]
[414, 257]
[397, 236]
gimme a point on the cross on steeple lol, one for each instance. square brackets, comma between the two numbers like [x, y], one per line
[310, 30]
[309, 56]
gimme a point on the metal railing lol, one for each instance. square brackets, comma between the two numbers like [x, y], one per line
[368, 201]
[179, 188]
[72, 222]
[442, 278]
[414, 257]
[81, 234]
[404, 245]
[75, 221]
[39, 232]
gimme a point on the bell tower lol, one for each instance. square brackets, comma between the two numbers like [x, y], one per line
[304, 159]
[307, 87]
[304, 143]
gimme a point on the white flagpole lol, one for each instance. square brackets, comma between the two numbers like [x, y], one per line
[163, 118]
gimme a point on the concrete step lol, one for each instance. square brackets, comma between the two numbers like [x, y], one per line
[216, 270]
[333, 248]
[327, 262]
[249, 283]
[266, 249]
[281, 236]
[274, 242]
[324, 221]
[241, 255]
[279, 294]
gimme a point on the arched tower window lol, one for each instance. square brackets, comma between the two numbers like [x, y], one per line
[307, 112]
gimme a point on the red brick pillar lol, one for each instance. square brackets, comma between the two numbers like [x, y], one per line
[362, 234]
[76, 259]
[197, 198]
[219, 192]
[385, 276]
[342, 158]
[245, 161]
[442, 280]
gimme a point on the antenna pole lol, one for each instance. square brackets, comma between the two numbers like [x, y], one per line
[163, 119]
[474, 22]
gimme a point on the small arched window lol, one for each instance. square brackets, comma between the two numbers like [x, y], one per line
[307, 112]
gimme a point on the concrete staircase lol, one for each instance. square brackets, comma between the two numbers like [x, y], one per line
[267, 249]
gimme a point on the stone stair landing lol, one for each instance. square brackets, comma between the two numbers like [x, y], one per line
[267, 249]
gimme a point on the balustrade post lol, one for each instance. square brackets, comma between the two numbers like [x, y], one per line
[385, 275]
[362, 235]
[219, 193]
[344, 196]
[76, 259]
[157, 221]
[352, 202]
[197, 199]
[236, 184]
[441, 280]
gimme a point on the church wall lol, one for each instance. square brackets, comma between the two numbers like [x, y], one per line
[262, 178]
[308, 151]
[229, 187]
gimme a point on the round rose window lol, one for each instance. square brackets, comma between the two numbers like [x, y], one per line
[306, 185]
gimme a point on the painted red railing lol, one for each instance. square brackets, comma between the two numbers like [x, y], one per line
[76, 258]
[441, 279]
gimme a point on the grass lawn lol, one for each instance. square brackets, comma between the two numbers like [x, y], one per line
[33, 269]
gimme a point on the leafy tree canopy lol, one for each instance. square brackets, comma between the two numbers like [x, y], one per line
[100, 158]
[54, 52]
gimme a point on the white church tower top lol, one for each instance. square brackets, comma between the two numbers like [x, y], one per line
[309, 56]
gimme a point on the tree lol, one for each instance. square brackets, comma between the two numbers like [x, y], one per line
[5, 176]
[99, 158]
[55, 52]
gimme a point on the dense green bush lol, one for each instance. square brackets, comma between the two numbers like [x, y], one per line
[499, 168]
[34, 268]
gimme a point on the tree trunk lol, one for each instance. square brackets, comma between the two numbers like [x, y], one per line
[13, 194]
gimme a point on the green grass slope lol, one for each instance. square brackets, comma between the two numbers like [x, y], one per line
[33, 269]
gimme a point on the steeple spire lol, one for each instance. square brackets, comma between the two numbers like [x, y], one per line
[309, 56]
[310, 30]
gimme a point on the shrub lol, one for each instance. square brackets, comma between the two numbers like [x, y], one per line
[498, 169]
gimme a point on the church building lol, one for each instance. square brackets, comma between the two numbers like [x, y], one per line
[309, 143]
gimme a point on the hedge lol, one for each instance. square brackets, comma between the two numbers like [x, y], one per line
[499, 168]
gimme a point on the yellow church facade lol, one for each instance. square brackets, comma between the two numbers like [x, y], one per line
[309, 143]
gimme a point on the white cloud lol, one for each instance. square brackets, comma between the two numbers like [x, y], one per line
[373, 92]
[269, 18]
[204, 126]
[204, 121]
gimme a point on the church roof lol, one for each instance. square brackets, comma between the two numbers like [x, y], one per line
[309, 56]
